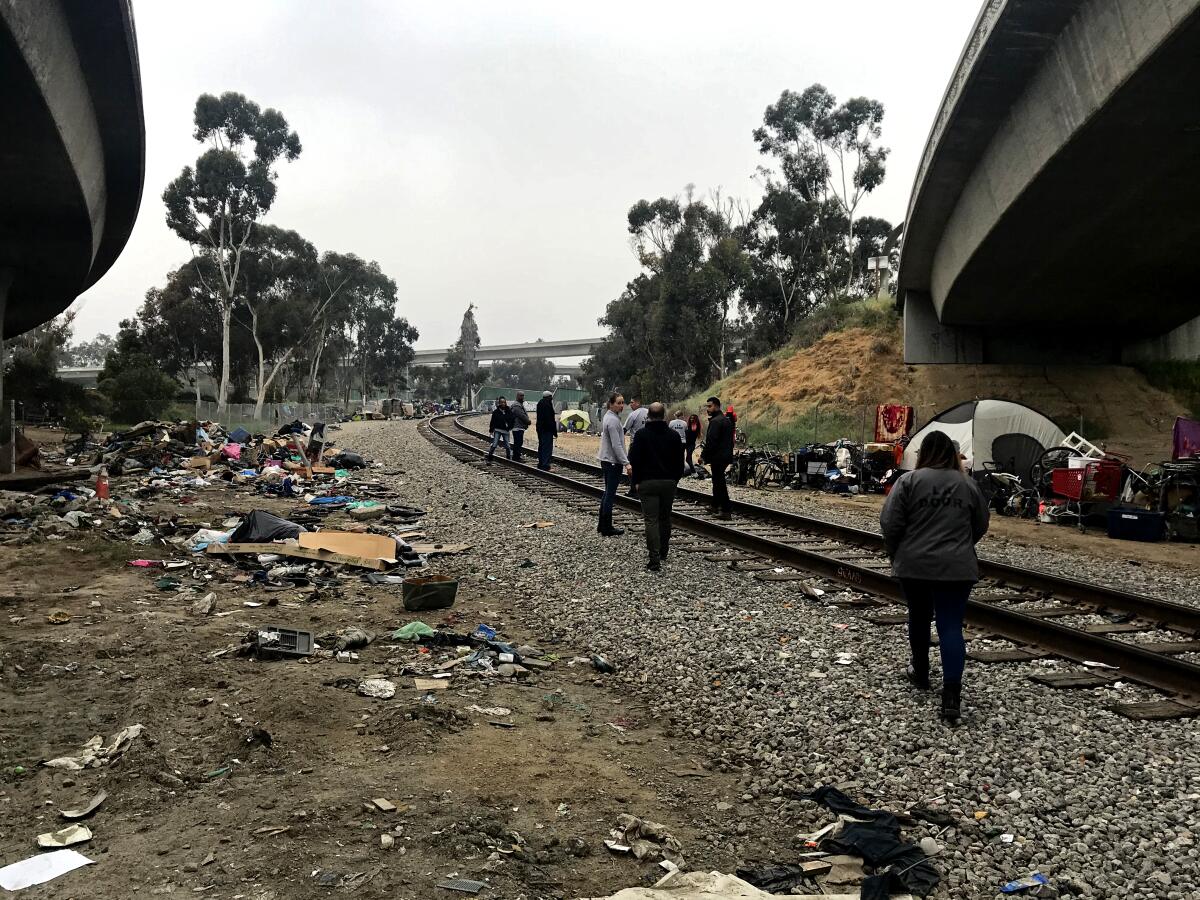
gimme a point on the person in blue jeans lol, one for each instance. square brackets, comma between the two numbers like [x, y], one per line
[500, 425]
[931, 522]
[613, 461]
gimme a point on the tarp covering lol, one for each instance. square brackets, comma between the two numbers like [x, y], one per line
[1010, 435]
[260, 527]
[1185, 438]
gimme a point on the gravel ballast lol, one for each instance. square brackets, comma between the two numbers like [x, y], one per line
[1103, 805]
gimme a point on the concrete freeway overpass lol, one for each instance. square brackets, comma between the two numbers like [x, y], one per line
[1054, 214]
[72, 159]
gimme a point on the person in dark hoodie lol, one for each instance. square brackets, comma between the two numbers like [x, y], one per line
[499, 426]
[718, 453]
[547, 430]
[931, 522]
[520, 422]
[656, 456]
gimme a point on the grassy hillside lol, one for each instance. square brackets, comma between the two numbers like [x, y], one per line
[847, 360]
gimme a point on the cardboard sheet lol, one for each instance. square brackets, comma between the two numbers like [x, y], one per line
[375, 546]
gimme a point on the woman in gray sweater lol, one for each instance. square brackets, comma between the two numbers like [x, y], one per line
[931, 522]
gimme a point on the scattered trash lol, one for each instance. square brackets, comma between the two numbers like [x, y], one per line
[96, 752]
[431, 684]
[874, 835]
[484, 632]
[274, 642]
[206, 605]
[430, 592]
[647, 840]
[384, 805]
[379, 688]
[602, 665]
[65, 837]
[58, 617]
[413, 631]
[537, 525]
[40, 869]
[262, 527]
[498, 711]
[87, 809]
[1093, 664]
[1033, 879]
[464, 885]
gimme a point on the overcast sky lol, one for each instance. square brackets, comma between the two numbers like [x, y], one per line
[488, 152]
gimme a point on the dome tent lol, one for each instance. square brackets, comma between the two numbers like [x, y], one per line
[1010, 435]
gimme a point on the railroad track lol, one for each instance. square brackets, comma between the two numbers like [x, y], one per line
[1029, 608]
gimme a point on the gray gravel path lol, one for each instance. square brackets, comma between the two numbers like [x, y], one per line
[1106, 807]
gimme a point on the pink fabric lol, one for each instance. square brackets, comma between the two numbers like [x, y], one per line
[1185, 438]
[232, 451]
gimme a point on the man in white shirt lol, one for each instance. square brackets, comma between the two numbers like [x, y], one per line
[613, 460]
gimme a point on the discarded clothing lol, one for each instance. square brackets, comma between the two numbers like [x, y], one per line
[261, 527]
[878, 842]
[774, 878]
[239, 436]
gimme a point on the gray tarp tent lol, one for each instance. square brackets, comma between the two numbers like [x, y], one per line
[1010, 435]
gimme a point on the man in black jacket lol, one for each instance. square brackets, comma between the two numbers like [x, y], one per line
[500, 424]
[547, 430]
[656, 456]
[718, 453]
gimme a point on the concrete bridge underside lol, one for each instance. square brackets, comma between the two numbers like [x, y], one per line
[1054, 213]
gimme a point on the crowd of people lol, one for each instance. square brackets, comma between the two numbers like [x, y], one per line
[931, 521]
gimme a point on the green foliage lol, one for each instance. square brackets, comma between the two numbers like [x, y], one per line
[523, 373]
[815, 424]
[135, 385]
[1178, 377]
[669, 327]
[875, 314]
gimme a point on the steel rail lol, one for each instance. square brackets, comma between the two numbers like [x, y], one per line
[1176, 616]
[1157, 670]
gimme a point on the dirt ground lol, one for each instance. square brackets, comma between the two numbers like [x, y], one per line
[253, 779]
[1022, 532]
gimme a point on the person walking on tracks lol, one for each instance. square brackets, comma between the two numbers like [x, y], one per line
[547, 430]
[931, 522]
[634, 422]
[718, 453]
[691, 439]
[679, 426]
[500, 424]
[656, 458]
[613, 461]
[520, 421]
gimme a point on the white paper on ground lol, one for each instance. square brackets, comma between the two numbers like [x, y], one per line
[40, 869]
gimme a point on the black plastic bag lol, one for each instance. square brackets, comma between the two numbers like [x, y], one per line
[260, 527]
[348, 460]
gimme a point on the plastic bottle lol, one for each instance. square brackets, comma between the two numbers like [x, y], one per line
[102, 484]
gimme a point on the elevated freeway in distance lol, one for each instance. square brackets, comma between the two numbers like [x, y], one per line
[579, 348]
[1054, 213]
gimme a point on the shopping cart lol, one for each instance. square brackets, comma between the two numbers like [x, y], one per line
[1087, 486]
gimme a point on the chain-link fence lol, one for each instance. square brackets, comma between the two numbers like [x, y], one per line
[273, 414]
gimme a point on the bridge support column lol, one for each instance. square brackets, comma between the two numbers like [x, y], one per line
[928, 341]
[6, 277]
[1182, 343]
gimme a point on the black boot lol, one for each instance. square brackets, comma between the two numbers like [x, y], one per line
[665, 541]
[952, 702]
[606, 526]
[653, 565]
[917, 678]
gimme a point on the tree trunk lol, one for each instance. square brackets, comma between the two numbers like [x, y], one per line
[261, 392]
[849, 255]
[223, 391]
[315, 368]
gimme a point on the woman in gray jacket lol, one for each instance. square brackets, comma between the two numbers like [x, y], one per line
[931, 522]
